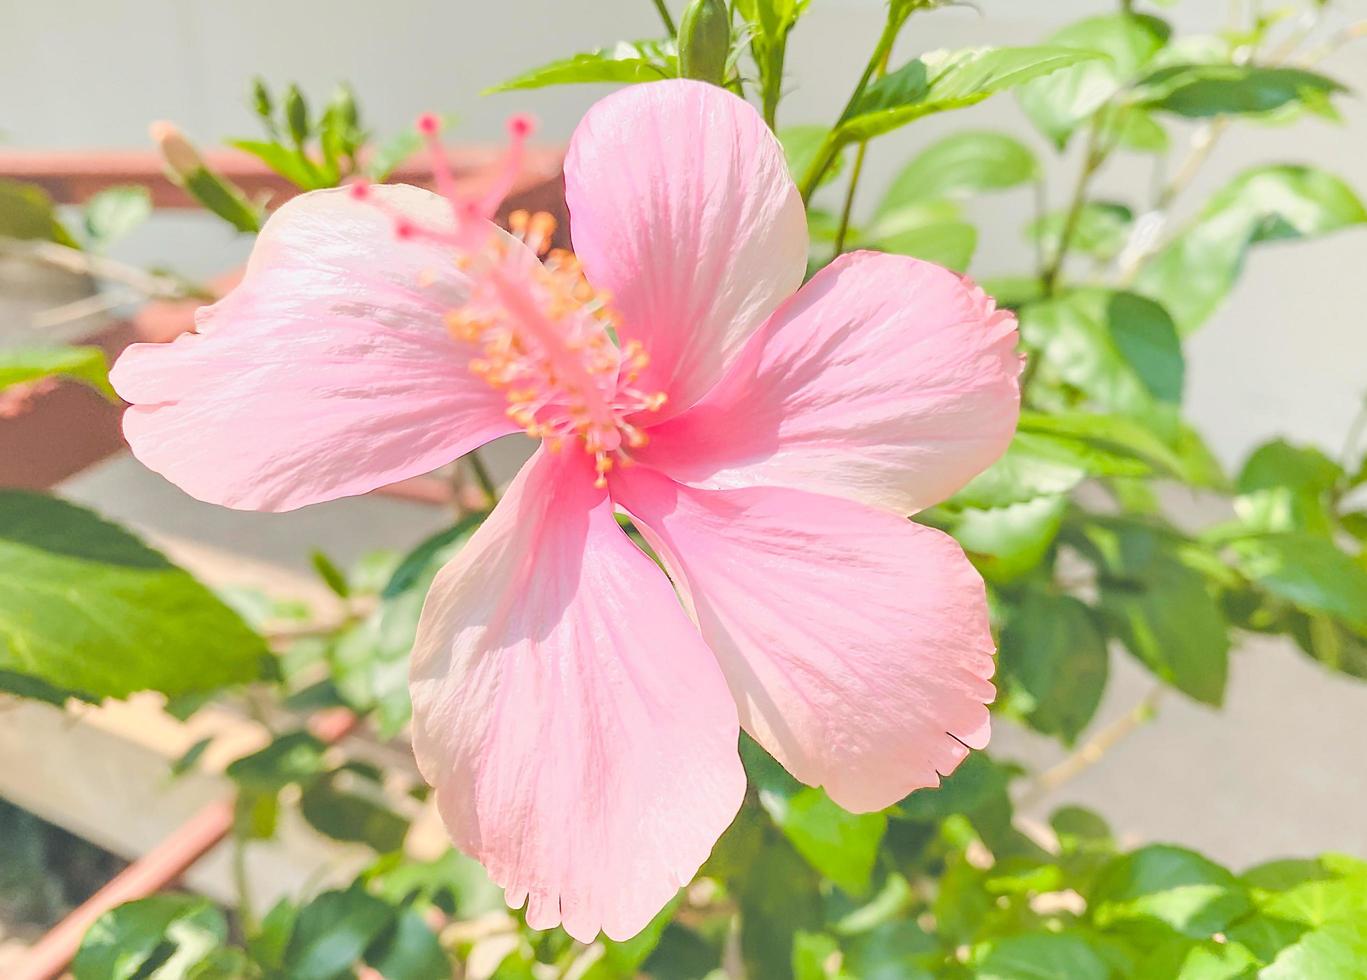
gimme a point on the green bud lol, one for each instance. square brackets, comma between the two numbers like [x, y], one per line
[296, 114]
[261, 98]
[705, 41]
[344, 104]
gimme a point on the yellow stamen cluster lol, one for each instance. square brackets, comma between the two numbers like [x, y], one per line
[543, 336]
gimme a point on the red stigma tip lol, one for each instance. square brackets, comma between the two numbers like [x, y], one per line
[359, 189]
[521, 126]
[404, 228]
[429, 124]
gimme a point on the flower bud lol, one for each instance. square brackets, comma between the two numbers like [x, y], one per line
[705, 41]
[261, 98]
[296, 114]
[187, 169]
[180, 156]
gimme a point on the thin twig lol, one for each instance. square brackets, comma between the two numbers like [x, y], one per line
[848, 207]
[1090, 753]
[149, 284]
[483, 476]
[664, 16]
[1095, 156]
[79, 309]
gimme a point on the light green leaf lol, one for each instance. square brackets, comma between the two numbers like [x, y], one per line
[289, 162]
[19, 365]
[1007, 542]
[943, 80]
[1205, 959]
[801, 146]
[1101, 231]
[114, 212]
[1309, 572]
[1054, 664]
[626, 62]
[1059, 103]
[1033, 466]
[1223, 89]
[160, 938]
[1119, 348]
[86, 605]
[1041, 956]
[1192, 276]
[960, 165]
[1172, 885]
[393, 153]
[1116, 437]
[947, 243]
[1338, 950]
[1287, 488]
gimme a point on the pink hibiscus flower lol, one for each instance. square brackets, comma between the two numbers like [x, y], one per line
[575, 707]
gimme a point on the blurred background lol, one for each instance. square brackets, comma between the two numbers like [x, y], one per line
[1279, 770]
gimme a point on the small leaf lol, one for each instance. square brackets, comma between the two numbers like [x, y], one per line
[332, 576]
[1192, 276]
[295, 757]
[114, 212]
[1054, 663]
[1309, 572]
[27, 213]
[87, 606]
[1101, 231]
[289, 162]
[625, 62]
[20, 365]
[960, 165]
[1288, 488]
[1199, 91]
[1121, 45]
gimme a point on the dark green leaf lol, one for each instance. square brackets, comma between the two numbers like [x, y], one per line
[625, 62]
[296, 757]
[418, 567]
[1054, 663]
[333, 931]
[167, 932]
[960, 165]
[409, 950]
[19, 365]
[1222, 89]
[191, 757]
[352, 816]
[85, 605]
[332, 576]
[1121, 44]
[1192, 276]
[114, 212]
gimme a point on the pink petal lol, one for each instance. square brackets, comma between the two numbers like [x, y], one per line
[579, 734]
[327, 372]
[682, 208]
[886, 380]
[855, 642]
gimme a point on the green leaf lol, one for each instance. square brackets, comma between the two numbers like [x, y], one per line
[1171, 885]
[333, 931]
[295, 757]
[352, 817]
[802, 145]
[1008, 542]
[161, 936]
[1054, 663]
[947, 243]
[943, 80]
[1198, 91]
[289, 162]
[1161, 609]
[623, 959]
[626, 62]
[27, 213]
[1033, 466]
[1288, 488]
[114, 212]
[267, 945]
[85, 605]
[1309, 572]
[1121, 44]
[1101, 231]
[1206, 959]
[960, 165]
[1119, 348]
[420, 565]
[1338, 950]
[333, 577]
[1192, 276]
[409, 950]
[1041, 956]
[1116, 438]
[20, 365]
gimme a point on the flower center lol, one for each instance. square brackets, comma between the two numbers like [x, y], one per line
[544, 338]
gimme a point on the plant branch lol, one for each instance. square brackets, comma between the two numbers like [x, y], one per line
[149, 284]
[1092, 162]
[1090, 753]
[483, 476]
[664, 16]
[848, 208]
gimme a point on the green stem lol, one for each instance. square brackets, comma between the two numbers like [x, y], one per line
[664, 16]
[1095, 157]
[242, 885]
[483, 476]
[877, 61]
[773, 82]
[848, 208]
